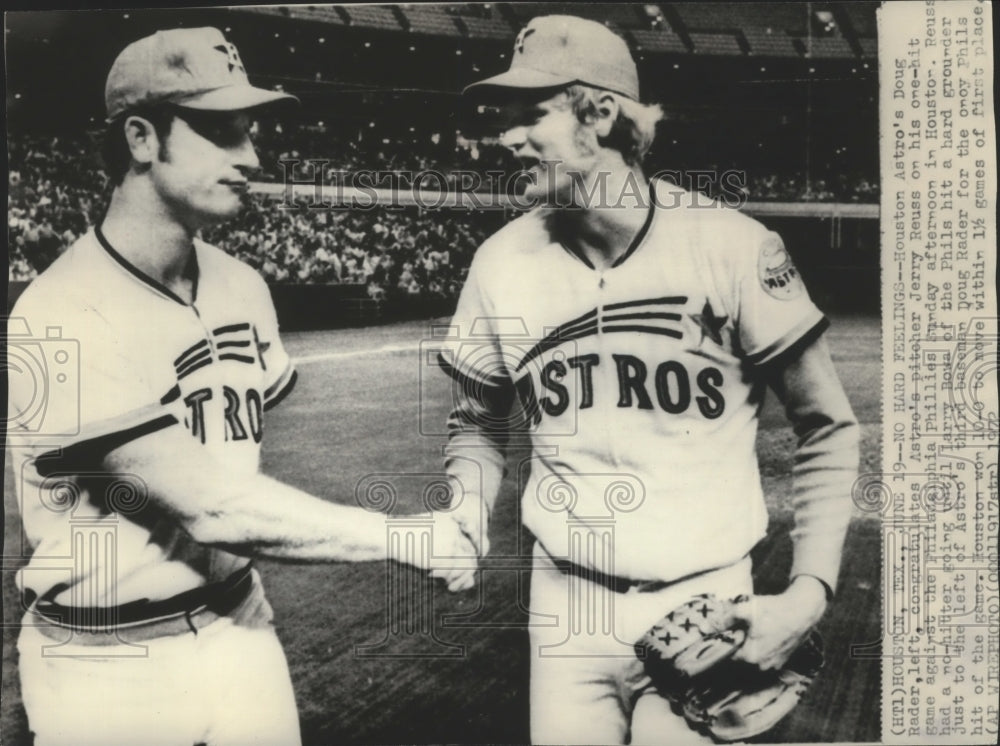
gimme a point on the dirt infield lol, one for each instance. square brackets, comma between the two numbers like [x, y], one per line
[356, 413]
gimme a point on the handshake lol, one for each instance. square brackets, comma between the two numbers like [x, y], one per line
[455, 546]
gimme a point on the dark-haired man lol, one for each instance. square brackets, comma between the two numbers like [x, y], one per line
[146, 622]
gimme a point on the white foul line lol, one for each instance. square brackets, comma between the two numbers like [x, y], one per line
[326, 356]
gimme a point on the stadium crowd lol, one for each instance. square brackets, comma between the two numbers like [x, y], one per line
[57, 190]
[291, 151]
[394, 251]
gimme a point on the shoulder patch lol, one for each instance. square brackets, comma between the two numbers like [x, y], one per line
[778, 275]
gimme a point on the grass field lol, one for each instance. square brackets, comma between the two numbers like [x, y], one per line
[355, 413]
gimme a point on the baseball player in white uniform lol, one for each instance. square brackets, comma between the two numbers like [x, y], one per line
[637, 325]
[142, 497]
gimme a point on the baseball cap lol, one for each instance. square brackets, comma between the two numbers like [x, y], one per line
[558, 50]
[196, 68]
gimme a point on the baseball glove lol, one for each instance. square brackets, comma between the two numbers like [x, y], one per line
[688, 657]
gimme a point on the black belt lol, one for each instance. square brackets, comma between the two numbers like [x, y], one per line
[611, 582]
[221, 598]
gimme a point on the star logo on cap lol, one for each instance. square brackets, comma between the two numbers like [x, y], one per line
[232, 56]
[519, 42]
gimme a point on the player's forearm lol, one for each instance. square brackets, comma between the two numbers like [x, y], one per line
[474, 459]
[478, 430]
[249, 514]
[825, 469]
[826, 462]
[266, 518]
[475, 466]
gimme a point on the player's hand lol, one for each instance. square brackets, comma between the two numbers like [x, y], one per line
[778, 624]
[455, 558]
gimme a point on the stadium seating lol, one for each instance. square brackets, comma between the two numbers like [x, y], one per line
[771, 30]
[373, 16]
[387, 120]
[430, 19]
[267, 10]
[789, 30]
[828, 48]
[658, 41]
[766, 42]
[790, 17]
[721, 44]
[623, 15]
[56, 191]
[315, 13]
[489, 28]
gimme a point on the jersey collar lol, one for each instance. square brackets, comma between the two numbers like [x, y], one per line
[643, 231]
[637, 239]
[143, 277]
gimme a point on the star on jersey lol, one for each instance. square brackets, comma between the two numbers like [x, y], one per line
[711, 325]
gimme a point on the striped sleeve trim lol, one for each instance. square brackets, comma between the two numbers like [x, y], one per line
[468, 376]
[281, 388]
[90, 450]
[484, 401]
[791, 345]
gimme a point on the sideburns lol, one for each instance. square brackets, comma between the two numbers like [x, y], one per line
[582, 142]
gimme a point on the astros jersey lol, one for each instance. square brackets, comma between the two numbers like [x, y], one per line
[117, 355]
[639, 384]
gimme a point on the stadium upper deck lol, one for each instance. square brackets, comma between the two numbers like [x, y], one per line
[805, 30]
